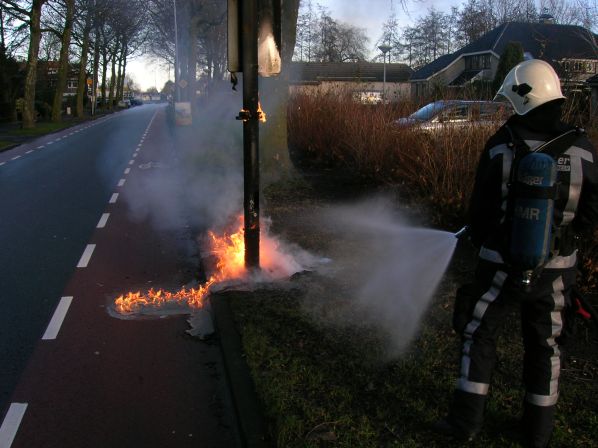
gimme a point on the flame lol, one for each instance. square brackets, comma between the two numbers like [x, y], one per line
[260, 113]
[230, 254]
[229, 251]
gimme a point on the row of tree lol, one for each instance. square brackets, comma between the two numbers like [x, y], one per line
[99, 37]
[320, 38]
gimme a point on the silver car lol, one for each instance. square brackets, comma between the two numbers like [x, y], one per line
[456, 114]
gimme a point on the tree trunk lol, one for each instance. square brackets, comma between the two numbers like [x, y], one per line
[63, 65]
[31, 76]
[112, 81]
[119, 93]
[276, 161]
[104, 76]
[96, 68]
[82, 82]
[122, 81]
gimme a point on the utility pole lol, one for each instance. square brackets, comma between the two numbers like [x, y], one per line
[384, 49]
[177, 95]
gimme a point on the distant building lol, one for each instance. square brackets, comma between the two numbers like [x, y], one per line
[364, 79]
[571, 50]
[47, 78]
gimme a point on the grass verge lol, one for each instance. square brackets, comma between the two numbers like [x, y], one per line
[325, 383]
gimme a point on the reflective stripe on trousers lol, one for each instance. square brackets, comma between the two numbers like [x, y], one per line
[541, 323]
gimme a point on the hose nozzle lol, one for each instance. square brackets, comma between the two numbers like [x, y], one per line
[463, 233]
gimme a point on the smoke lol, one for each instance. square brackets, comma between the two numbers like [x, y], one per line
[386, 269]
[195, 177]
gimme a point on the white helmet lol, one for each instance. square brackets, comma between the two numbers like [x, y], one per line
[530, 84]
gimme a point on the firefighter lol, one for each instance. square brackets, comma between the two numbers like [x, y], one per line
[533, 88]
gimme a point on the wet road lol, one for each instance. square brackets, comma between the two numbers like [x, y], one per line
[72, 375]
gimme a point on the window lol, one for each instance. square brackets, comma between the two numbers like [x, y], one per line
[457, 113]
[72, 84]
[477, 62]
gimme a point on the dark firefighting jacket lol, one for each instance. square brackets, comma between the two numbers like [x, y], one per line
[575, 207]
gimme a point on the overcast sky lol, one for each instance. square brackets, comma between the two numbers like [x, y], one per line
[367, 14]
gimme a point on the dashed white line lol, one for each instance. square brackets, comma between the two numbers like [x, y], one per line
[128, 170]
[57, 319]
[103, 220]
[11, 424]
[16, 157]
[113, 198]
[87, 253]
[135, 154]
[29, 152]
[131, 162]
[121, 182]
[40, 147]
[50, 143]
[2, 163]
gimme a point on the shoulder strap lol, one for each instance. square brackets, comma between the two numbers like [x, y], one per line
[560, 143]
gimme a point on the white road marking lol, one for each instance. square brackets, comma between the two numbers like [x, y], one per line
[113, 198]
[121, 182]
[128, 170]
[40, 147]
[2, 163]
[57, 319]
[50, 143]
[11, 423]
[29, 152]
[103, 220]
[131, 162]
[87, 253]
[16, 157]
[135, 154]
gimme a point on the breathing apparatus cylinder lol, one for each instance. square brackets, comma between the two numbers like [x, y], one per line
[532, 214]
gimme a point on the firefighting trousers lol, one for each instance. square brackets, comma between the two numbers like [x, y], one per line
[542, 320]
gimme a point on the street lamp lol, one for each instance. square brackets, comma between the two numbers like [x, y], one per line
[384, 49]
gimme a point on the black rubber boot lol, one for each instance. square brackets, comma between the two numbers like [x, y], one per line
[537, 424]
[467, 413]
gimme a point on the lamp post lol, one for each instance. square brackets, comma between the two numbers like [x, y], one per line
[177, 95]
[384, 49]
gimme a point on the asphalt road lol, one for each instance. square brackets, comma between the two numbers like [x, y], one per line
[71, 375]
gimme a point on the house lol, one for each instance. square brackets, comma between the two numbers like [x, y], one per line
[47, 77]
[571, 50]
[366, 80]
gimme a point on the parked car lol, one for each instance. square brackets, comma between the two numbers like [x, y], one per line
[124, 104]
[456, 114]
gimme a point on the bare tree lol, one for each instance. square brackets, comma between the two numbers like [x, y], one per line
[63, 64]
[30, 13]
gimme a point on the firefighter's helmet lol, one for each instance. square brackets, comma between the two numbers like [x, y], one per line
[530, 84]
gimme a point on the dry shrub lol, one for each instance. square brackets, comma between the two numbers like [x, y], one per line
[332, 129]
[436, 170]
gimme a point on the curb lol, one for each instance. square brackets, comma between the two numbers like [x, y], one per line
[245, 401]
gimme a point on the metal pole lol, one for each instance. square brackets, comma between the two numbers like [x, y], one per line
[384, 49]
[384, 82]
[251, 135]
[177, 93]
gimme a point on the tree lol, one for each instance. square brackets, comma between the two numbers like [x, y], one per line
[29, 14]
[10, 82]
[511, 56]
[63, 65]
